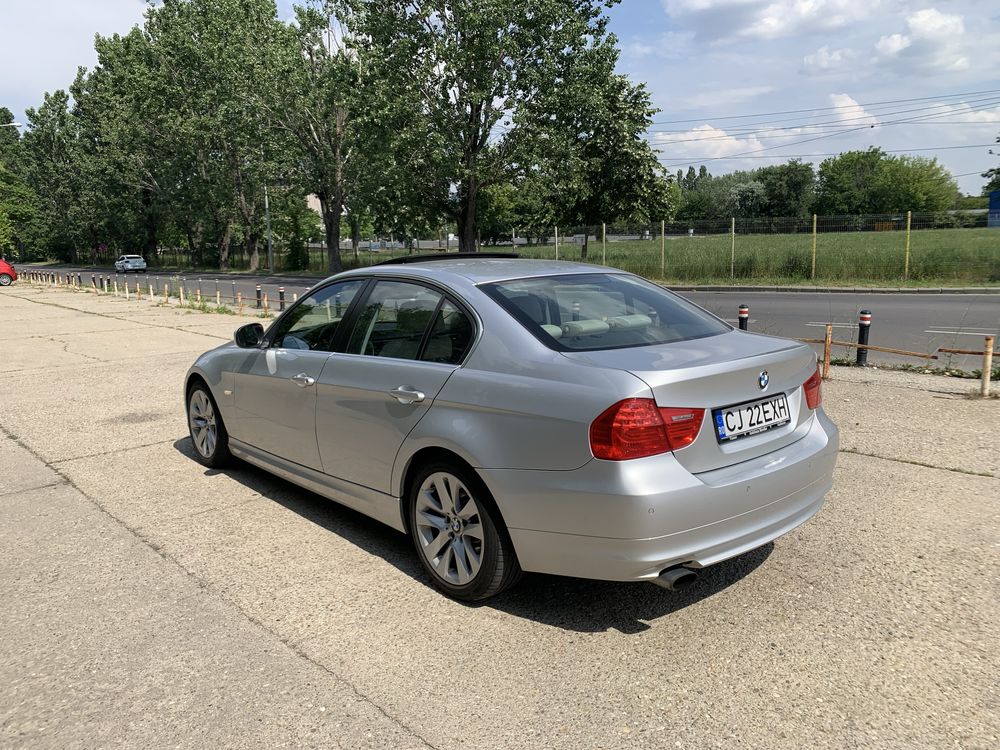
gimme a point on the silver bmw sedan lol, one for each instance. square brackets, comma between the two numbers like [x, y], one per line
[525, 415]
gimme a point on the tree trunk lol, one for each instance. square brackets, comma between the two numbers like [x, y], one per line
[227, 235]
[467, 195]
[586, 239]
[254, 250]
[355, 234]
[332, 210]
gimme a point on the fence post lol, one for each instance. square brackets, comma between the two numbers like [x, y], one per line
[732, 254]
[744, 316]
[663, 249]
[557, 243]
[864, 328]
[827, 345]
[987, 366]
[906, 262]
[813, 273]
[604, 244]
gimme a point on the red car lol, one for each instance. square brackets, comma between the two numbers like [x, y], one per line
[7, 273]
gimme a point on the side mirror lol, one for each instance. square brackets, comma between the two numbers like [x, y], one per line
[249, 336]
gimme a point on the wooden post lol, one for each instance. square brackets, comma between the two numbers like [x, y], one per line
[265, 302]
[663, 249]
[180, 292]
[151, 295]
[557, 243]
[604, 244]
[239, 301]
[166, 292]
[827, 343]
[813, 273]
[906, 262]
[138, 290]
[218, 297]
[987, 366]
[732, 253]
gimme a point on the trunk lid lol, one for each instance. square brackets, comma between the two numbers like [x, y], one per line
[716, 372]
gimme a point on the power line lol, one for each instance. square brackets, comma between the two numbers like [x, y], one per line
[984, 104]
[809, 156]
[821, 109]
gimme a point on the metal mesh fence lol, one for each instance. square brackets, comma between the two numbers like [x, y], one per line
[948, 246]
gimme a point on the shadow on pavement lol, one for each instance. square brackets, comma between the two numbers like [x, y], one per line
[573, 604]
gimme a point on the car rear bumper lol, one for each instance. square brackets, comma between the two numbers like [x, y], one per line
[630, 520]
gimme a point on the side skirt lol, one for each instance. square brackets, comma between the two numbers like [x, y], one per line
[372, 503]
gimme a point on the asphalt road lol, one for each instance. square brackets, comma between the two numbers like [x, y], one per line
[914, 322]
[149, 602]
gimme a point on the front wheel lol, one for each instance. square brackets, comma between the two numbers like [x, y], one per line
[458, 534]
[5, 279]
[208, 433]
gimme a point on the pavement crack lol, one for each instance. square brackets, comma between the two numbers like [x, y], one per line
[206, 586]
[116, 451]
[115, 317]
[60, 483]
[970, 472]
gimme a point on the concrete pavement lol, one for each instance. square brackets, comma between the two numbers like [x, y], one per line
[148, 602]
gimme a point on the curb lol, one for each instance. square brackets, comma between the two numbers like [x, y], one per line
[835, 289]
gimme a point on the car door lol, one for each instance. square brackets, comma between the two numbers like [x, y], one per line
[275, 386]
[406, 342]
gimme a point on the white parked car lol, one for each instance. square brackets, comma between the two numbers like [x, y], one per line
[128, 263]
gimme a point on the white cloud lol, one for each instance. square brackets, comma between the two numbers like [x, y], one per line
[826, 60]
[936, 43]
[767, 19]
[42, 43]
[849, 112]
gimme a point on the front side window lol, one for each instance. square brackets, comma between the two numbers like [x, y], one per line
[314, 322]
[602, 311]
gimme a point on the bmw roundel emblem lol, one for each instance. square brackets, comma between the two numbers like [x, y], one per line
[763, 380]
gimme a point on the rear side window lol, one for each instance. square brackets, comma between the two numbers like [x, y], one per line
[586, 312]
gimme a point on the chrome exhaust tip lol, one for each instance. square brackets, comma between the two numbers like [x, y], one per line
[676, 578]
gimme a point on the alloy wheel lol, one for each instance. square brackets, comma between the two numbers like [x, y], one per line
[449, 528]
[201, 419]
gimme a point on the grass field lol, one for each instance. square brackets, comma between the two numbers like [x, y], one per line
[947, 256]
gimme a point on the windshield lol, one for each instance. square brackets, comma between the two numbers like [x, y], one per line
[602, 311]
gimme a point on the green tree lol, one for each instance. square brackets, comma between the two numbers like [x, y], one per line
[471, 92]
[872, 182]
[992, 177]
[789, 189]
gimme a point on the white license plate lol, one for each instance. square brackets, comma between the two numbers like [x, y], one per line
[743, 420]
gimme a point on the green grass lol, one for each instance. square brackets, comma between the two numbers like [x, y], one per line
[942, 256]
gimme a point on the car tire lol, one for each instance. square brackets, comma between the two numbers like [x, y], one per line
[458, 534]
[5, 279]
[206, 428]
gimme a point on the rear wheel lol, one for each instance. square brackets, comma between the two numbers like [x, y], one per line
[5, 279]
[208, 433]
[459, 535]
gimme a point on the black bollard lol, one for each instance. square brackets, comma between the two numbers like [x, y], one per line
[258, 296]
[744, 317]
[864, 328]
[281, 298]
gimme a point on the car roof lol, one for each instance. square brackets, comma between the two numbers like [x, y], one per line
[482, 270]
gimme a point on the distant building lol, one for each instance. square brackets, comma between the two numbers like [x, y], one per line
[994, 217]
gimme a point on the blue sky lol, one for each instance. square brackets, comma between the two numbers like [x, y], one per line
[707, 63]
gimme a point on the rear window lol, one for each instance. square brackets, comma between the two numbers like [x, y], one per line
[602, 311]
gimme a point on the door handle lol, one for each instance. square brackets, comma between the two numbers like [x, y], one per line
[302, 380]
[407, 394]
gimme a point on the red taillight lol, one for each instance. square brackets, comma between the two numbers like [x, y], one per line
[682, 425]
[636, 427]
[814, 396]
